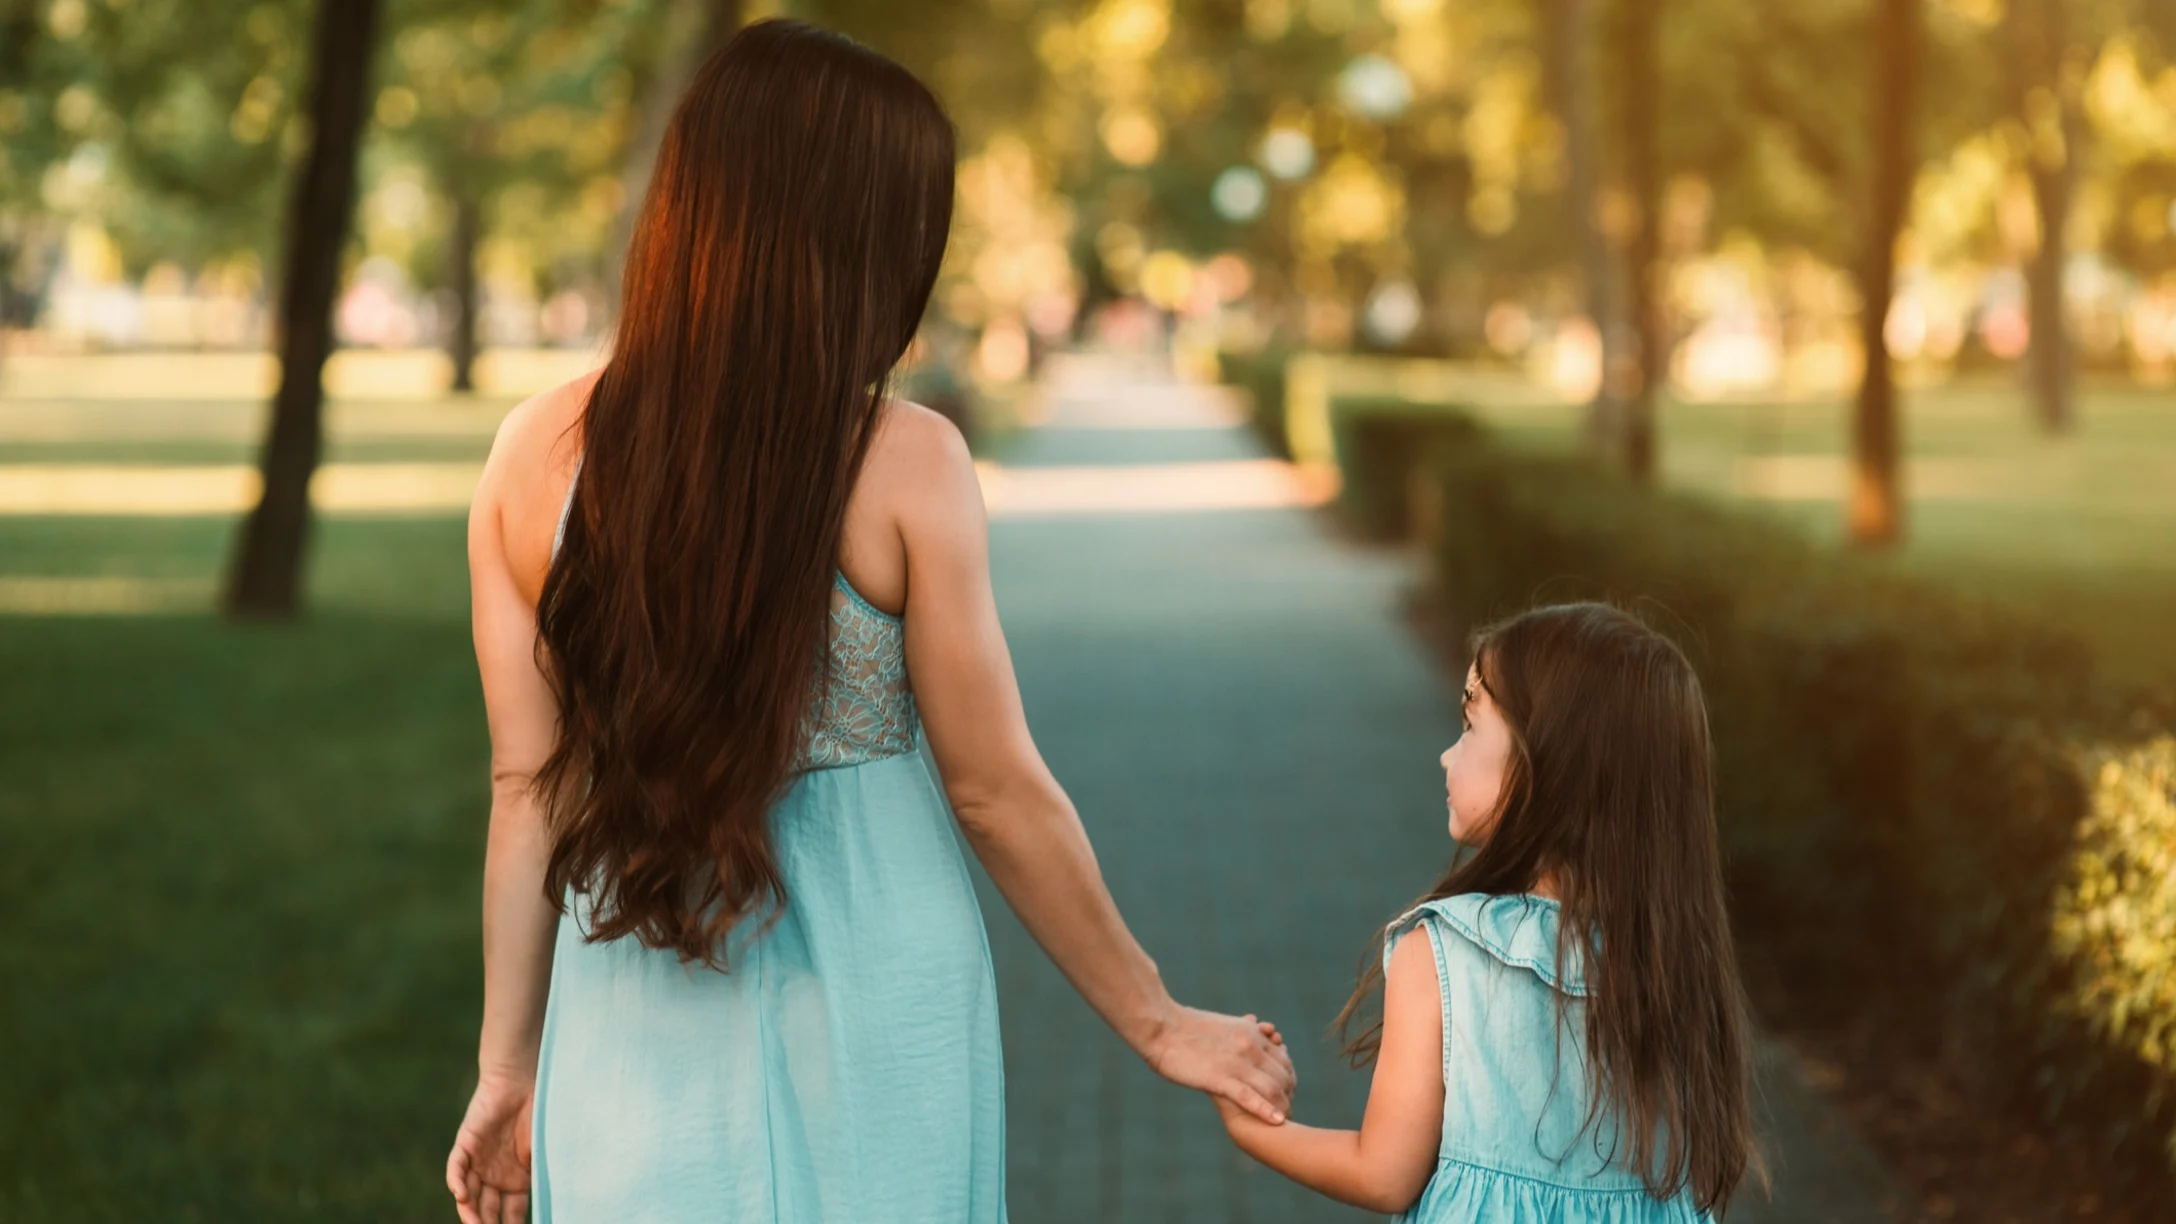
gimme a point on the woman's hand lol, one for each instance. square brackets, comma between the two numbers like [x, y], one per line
[1234, 1118]
[488, 1171]
[1239, 1059]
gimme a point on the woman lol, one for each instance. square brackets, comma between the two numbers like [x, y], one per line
[733, 963]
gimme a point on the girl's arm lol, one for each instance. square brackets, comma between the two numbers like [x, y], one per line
[1385, 1164]
[1014, 815]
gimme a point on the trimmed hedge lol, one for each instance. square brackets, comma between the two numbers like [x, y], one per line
[1382, 444]
[1261, 376]
[1938, 808]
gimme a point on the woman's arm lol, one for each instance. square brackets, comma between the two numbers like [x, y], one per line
[1385, 1164]
[1013, 813]
[519, 923]
[509, 550]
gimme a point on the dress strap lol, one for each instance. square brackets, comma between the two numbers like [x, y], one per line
[567, 507]
[845, 586]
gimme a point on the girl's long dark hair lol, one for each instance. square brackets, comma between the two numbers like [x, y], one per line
[781, 263]
[1611, 791]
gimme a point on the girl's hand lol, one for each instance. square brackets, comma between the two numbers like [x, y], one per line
[1384, 1165]
[1233, 1116]
[488, 1171]
[1238, 1059]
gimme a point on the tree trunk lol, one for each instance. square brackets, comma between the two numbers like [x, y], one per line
[461, 346]
[1569, 23]
[2048, 103]
[1642, 112]
[266, 578]
[19, 32]
[696, 29]
[10, 252]
[1877, 511]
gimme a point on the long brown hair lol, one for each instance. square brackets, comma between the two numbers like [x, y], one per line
[1610, 790]
[784, 255]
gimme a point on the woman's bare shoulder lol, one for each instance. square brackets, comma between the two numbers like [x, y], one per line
[910, 432]
[533, 454]
[921, 444]
[547, 423]
[524, 481]
[919, 466]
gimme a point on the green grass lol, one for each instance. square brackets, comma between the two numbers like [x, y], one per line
[242, 877]
[241, 871]
[2079, 529]
[241, 886]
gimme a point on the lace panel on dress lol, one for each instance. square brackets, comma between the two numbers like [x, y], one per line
[865, 710]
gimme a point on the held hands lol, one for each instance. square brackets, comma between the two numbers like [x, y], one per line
[488, 1170]
[1238, 1121]
[1233, 1116]
[1238, 1059]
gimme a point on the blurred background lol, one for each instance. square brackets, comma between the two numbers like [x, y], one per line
[1839, 334]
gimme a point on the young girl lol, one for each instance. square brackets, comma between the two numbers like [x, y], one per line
[1563, 1034]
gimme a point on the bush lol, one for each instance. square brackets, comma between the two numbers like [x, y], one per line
[1382, 445]
[2115, 911]
[1261, 376]
[1939, 809]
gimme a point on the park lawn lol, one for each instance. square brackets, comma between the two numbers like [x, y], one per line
[242, 879]
[242, 868]
[2079, 529]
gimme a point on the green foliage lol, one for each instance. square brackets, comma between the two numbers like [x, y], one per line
[1384, 446]
[183, 119]
[524, 106]
[183, 116]
[2115, 923]
[34, 68]
[975, 54]
[1931, 806]
[1261, 376]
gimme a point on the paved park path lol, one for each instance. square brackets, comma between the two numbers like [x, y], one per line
[1229, 694]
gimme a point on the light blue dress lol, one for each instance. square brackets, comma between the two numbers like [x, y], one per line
[1515, 1095]
[846, 1066]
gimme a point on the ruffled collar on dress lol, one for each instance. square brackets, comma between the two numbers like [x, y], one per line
[1519, 929]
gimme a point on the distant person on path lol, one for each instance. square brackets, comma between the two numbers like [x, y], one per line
[734, 969]
[1563, 1034]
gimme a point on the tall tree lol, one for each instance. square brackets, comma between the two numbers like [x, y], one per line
[695, 29]
[462, 242]
[266, 578]
[1567, 26]
[500, 98]
[2049, 104]
[162, 118]
[1641, 113]
[1898, 34]
[457, 61]
[23, 161]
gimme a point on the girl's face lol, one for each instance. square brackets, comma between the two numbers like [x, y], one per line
[1474, 767]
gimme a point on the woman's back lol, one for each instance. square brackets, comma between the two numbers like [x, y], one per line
[530, 483]
[782, 1089]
